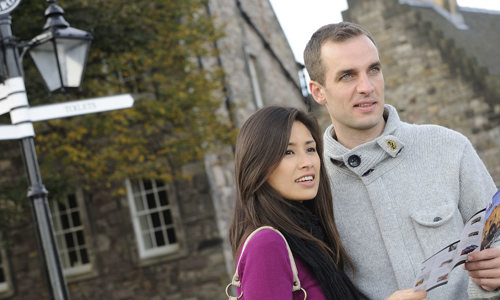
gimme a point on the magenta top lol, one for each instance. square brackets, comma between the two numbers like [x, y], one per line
[265, 271]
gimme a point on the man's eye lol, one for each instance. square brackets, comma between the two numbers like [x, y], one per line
[345, 76]
[375, 70]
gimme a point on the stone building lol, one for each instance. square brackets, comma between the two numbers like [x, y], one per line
[169, 241]
[164, 240]
[441, 66]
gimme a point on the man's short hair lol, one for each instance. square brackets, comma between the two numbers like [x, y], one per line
[337, 32]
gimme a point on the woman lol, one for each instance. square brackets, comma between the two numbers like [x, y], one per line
[281, 183]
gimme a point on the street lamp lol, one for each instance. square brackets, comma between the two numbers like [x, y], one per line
[62, 46]
[58, 57]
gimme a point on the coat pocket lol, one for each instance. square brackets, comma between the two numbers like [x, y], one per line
[435, 216]
[436, 227]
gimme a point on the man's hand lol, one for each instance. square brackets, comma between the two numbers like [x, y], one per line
[484, 268]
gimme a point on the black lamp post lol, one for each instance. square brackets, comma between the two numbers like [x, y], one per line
[61, 61]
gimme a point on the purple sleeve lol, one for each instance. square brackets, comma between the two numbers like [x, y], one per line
[264, 269]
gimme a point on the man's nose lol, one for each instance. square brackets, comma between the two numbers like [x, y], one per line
[365, 86]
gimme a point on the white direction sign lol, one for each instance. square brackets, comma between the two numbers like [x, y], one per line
[15, 132]
[12, 101]
[70, 109]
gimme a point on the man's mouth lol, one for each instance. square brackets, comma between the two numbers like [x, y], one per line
[364, 105]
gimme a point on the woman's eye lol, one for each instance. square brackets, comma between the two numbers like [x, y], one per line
[288, 152]
[312, 149]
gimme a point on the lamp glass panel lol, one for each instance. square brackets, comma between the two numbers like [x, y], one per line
[45, 60]
[72, 54]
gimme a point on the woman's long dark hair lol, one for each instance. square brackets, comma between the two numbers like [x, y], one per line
[260, 147]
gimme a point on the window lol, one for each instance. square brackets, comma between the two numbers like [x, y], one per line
[151, 209]
[257, 92]
[68, 216]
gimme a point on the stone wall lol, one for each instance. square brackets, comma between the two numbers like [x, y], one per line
[422, 82]
[252, 29]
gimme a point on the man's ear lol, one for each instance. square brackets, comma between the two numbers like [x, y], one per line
[317, 92]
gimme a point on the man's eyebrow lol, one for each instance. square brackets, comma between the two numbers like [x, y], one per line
[375, 64]
[346, 71]
[353, 71]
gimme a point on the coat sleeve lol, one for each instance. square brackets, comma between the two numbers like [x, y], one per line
[476, 190]
[476, 185]
[264, 270]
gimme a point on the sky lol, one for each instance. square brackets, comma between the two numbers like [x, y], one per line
[300, 18]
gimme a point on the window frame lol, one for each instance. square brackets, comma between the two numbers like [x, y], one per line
[252, 63]
[81, 269]
[144, 252]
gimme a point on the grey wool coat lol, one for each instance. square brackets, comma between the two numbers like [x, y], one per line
[401, 198]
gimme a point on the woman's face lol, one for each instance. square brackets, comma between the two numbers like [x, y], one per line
[297, 175]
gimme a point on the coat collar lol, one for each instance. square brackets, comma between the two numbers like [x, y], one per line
[370, 153]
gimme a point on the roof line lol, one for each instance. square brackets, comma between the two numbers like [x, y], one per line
[456, 19]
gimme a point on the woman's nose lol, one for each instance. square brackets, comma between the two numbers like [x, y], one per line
[306, 161]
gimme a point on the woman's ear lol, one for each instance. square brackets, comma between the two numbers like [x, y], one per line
[317, 91]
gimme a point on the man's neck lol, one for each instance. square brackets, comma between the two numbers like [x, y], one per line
[351, 138]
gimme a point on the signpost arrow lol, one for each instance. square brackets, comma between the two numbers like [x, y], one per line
[70, 109]
[16, 132]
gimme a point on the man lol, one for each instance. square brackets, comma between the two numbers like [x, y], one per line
[401, 192]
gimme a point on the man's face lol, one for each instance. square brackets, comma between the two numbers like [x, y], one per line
[353, 92]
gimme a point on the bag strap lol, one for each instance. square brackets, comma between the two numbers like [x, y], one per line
[236, 280]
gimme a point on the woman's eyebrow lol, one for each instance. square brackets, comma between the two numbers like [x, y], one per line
[307, 142]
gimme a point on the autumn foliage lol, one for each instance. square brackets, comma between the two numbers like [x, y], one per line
[160, 51]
